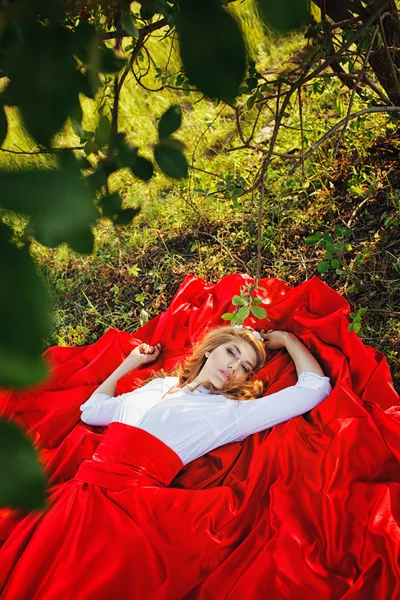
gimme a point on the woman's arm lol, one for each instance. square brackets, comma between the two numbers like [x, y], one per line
[141, 355]
[301, 356]
[100, 408]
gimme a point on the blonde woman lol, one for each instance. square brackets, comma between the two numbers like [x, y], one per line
[114, 531]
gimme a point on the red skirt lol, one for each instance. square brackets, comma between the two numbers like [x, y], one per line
[113, 531]
[309, 509]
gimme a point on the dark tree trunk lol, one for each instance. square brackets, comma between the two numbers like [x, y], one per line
[384, 61]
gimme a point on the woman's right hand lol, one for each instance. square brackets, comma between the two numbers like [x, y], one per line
[144, 353]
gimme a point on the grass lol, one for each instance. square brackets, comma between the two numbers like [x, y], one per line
[195, 227]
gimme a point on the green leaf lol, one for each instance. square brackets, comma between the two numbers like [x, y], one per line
[323, 267]
[171, 161]
[256, 300]
[110, 62]
[170, 121]
[142, 168]
[361, 312]
[126, 216]
[338, 106]
[22, 481]
[237, 301]
[128, 25]
[242, 314]
[284, 15]
[110, 205]
[259, 312]
[24, 320]
[58, 202]
[335, 263]
[212, 47]
[102, 132]
[314, 238]
[227, 316]
[128, 157]
[3, 125]
[44, 81]
[84, 38]
[250, 102]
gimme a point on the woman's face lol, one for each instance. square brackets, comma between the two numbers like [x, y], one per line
[230, 362]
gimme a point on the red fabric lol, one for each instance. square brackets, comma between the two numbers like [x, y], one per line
[308, 509]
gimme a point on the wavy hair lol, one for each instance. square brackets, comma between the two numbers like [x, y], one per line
[192, 366]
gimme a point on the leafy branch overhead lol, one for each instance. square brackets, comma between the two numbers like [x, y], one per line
[48, 63]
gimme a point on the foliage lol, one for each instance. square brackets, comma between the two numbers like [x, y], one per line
[245, 304]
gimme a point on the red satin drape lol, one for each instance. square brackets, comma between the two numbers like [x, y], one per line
[309, 509]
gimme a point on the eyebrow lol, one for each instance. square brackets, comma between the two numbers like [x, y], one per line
[240, 354]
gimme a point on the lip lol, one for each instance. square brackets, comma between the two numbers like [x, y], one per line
[225, 375]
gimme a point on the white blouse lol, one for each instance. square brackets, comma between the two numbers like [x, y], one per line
[194, 422]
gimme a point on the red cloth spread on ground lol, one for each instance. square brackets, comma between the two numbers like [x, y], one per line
[308, 509]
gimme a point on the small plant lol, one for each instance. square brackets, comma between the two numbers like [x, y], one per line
[245, 304]
[334, 248]
[356, 323]
[232, 187]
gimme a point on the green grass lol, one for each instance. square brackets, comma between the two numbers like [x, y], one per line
[182, 230]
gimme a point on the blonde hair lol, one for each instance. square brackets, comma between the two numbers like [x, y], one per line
[190, 369]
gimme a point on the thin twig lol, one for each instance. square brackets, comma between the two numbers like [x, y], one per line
[328, 134]
[44, 151]
[387, 52]
[353, 93]
[302, 130]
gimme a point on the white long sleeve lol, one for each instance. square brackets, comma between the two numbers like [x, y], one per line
[263, 413]
[100, 409]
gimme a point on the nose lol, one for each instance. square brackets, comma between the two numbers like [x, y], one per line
[233, 365]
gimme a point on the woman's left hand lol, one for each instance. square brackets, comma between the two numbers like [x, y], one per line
[274, 340]
[144, 353]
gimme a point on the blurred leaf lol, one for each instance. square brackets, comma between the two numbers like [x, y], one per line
[128, 24]
[250, 102]
[338, 106]
[102, 132]
[126, 215]
[144, 317]
[212, 47]
[110, 204]
[284, 15]
[142, 168]
[84, 41]
[58, 202]
[24, 321]
[171, 161]
[22, 481]
[110, 62]
[170, 121]
[43, 79]
[128, 157]
[3, 125]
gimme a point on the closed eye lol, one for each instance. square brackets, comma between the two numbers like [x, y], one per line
[232, 353]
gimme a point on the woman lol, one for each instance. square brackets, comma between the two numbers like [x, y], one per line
[95, 541]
